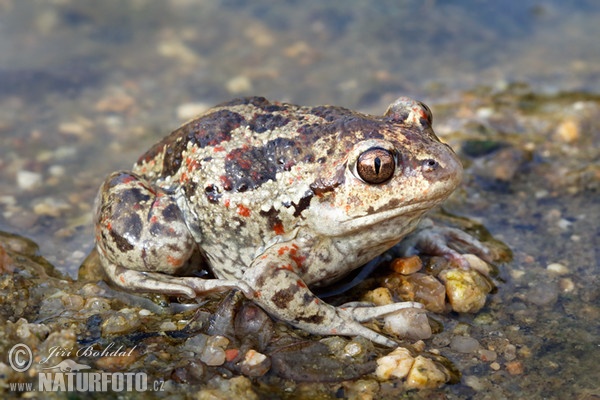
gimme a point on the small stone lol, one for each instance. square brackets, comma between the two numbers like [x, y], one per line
[410, 323]
[353, 349]
[566, 285]
[487, 355]
[426, 374]
[120, 322]
[408, 265]
[464, 344]
[51, 207]
[495, 366]
[255, 364]
[188, 111]
[396, 364]
[478, 264]
[474, 382]
[28, 180]
[558, 269]
[466, 289]
[515, 367]
[239, 84]
[510, 352]
[380, 296]
[568, 131]
[213, 353]
[543, 294]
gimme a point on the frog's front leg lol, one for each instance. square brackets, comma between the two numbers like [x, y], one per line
[143, 240]
[278, 287]
[435, 240]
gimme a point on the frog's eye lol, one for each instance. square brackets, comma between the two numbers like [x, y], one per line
[376, 165]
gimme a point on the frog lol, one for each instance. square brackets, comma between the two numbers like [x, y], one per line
[277, 199]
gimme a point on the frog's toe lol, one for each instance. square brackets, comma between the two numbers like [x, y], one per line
[450, 243]
[368, 313]
[147, 281]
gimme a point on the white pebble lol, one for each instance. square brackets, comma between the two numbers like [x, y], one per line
[188, 111]
[558, 269]
[396, 364]
[28, 180]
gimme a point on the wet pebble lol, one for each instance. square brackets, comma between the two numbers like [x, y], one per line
[466, 289]
[214, 352]
[487, 355]
[255, 364]
[515, 367]
[558, 269]
[419, 287]
[410, 323]
[396, 364]
[122, 321]
[426, 374]
[464, 344]
[407, 266]
[543, 293]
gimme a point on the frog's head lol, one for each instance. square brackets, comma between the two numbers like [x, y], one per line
[383, 172]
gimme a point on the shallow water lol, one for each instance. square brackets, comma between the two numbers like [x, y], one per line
[86, 87]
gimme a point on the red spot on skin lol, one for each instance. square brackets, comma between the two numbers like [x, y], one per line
[301, 283]
[218, 148]
[154, 219]
[128, 179]
[278, 229]
[122, 279]
[287, 267]
[243, 210]
[298, 259]
[109, 226]
[231, 354]
[174, 261]
[192, 164]
[282, 250]
[227, 202]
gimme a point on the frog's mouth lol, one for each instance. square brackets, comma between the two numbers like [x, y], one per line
[396, 219]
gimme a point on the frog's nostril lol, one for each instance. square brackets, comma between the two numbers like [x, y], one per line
[430, 165]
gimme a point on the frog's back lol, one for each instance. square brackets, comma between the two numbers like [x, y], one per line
[241, 145]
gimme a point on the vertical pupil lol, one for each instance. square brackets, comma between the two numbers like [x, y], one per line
[377, 165]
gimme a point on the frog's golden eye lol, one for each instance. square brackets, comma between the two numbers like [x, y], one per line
[376, 165]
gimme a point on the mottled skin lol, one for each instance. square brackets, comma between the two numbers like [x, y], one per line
[275, 198]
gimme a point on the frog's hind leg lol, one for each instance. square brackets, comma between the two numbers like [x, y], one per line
[143, 240]
[167, 284]
[280, 290]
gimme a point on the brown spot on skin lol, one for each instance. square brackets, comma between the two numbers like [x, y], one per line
[273, 220]
[326, 185]
[312, 319]
[282, 298]
[122, 243]
[303, 203]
